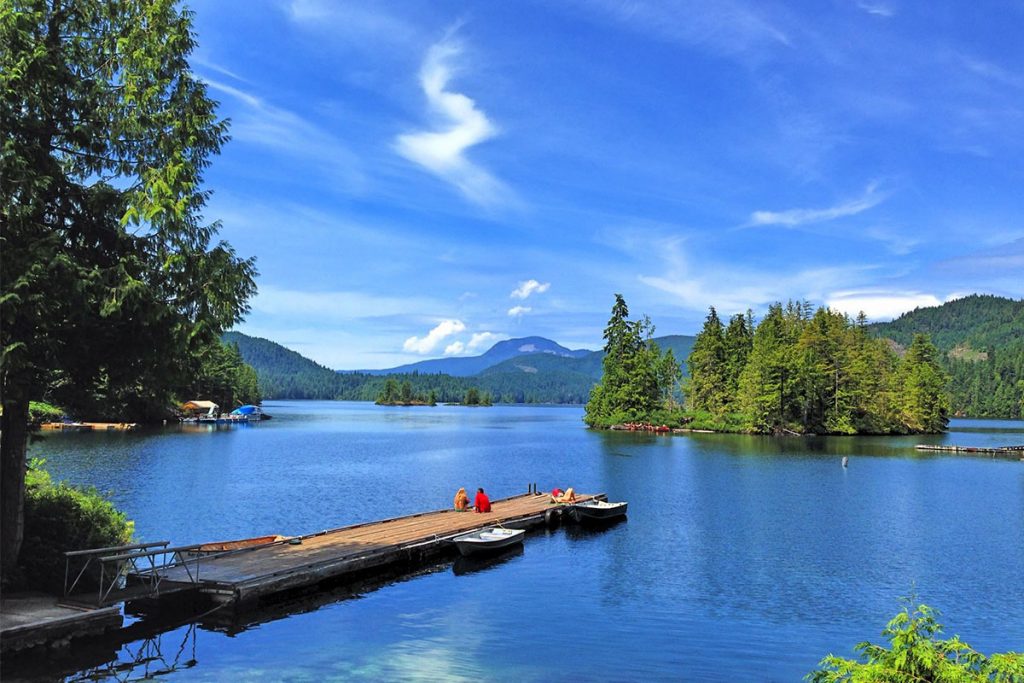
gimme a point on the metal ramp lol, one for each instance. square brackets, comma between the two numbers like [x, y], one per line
[129, 572]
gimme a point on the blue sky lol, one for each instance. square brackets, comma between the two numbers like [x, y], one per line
[421, 179]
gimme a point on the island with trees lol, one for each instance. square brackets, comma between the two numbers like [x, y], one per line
[797, 371]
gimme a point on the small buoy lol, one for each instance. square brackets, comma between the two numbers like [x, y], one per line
[845, 461]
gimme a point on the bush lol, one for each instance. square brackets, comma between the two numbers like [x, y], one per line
[917, 654]
[39, 412]
[58, 518]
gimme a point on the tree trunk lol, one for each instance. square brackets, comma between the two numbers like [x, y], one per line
[13, 441]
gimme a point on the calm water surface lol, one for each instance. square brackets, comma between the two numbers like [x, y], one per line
[743, 558]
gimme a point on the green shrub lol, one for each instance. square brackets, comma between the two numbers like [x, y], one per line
[58, 518]
[39, 412]
[917, 654]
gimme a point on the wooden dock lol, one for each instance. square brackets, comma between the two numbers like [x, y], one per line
[90, 426]
[997, 450]
[31, 619]
[246, 575]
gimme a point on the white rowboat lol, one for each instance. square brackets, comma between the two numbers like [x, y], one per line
[487, 539]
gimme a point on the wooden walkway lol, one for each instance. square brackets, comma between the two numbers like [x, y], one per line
[30, 619]
[252, 573]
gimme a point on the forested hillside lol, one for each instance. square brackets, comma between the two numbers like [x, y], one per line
[981, 339]
[535, 378]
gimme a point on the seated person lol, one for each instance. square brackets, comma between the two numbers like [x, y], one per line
[461, 500]
[482, 502]
[558, 496]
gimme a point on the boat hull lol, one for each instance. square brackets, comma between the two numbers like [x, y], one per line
[487, 540]
[598, 511]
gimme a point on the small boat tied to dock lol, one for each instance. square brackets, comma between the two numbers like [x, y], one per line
[595, 510]
[487, 540]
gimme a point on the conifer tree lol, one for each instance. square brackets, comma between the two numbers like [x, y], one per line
[924, 403]
[707, 388]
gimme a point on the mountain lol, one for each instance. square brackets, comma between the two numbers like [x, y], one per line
[981, 338]
[284, 373]
[977, 322]
[527, 370]
[587, 364]
[466, 366]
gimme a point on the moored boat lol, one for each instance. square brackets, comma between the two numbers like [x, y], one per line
[597, 510]
[487, 539]
[224, 546]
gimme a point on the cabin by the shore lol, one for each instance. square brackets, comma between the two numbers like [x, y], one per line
[200, 409]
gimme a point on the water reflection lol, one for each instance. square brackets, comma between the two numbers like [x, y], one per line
[470, 565]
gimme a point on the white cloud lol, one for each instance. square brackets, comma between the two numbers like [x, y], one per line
[876, 8]
[481, 338]
[518, 311]
[442, 152]
[428, 343]
[528, 287]
[795, 217]
[880, 305]
[454, 349]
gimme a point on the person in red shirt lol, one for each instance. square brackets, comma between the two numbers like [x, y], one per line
[482, 503]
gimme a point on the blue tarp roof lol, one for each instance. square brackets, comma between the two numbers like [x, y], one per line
[244, 410]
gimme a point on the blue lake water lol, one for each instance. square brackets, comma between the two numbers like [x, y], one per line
[743, 558]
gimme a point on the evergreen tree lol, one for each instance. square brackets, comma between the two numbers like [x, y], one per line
[707, 388]
[737, 342]
[105, 129]
[924, 403]
[636, 377]
[767, 387]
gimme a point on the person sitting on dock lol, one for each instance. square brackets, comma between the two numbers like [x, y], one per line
[568, 496]
[482, 502]
[461, 500]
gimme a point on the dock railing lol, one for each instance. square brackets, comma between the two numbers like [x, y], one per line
[145, 562]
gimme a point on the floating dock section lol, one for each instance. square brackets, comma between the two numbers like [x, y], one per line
[249, 574]
[998, 450]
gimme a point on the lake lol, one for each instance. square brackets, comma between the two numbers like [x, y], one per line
[743, 558]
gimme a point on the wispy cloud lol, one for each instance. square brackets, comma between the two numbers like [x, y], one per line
[529, 287]
[461, 126]
[724, 27]
[733, 289]
[518, 311]
[284, 131]
[335, 306]
[880, 304]
[794, 217]
[353, 23]
[876, 8]
[433, 339]
[454, 349]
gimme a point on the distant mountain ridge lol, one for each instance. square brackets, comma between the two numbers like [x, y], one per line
[466, 366]
[523, 370]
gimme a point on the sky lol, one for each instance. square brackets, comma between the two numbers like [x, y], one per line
[425, 179]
